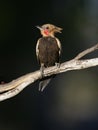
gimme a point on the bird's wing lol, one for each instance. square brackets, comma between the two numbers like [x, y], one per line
[37, 50]
[59, 45]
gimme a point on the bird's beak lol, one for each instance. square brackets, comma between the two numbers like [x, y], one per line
[39, 27]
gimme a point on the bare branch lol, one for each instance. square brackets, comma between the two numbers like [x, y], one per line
[85, 52]
[11, 89]
[15, 83]
[14, 91]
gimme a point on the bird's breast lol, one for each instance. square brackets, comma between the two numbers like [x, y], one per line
[48, 51]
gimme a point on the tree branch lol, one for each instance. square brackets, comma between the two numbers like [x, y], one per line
[13, 88]
[89, 50]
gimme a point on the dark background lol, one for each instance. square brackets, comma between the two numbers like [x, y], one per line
[70, 102]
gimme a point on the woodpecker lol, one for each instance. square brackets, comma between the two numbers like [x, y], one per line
[48, 50]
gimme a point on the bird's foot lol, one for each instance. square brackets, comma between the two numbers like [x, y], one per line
[57, 65]
[42, 70]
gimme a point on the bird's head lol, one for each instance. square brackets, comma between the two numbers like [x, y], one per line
[49, 29]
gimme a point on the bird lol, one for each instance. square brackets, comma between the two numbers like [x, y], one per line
[48, 51]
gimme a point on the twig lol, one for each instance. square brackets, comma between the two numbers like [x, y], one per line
[83, 53]
[11, 89]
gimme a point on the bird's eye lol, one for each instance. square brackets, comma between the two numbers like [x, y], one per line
[47, 27]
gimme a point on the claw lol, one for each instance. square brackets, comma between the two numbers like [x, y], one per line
[57, 65]
[42, 70]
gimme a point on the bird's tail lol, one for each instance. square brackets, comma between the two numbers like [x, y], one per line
[43, 83]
